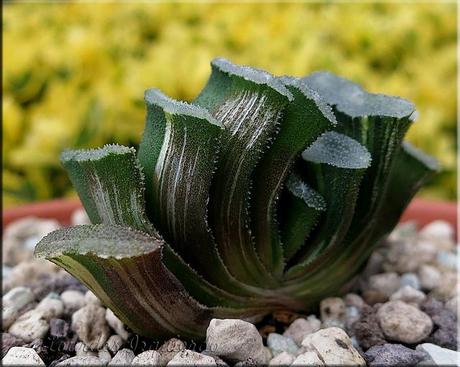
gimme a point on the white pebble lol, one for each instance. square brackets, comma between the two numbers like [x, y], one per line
[386, 283]
[447, 259]
[169, 349]
[333, 312]
[80, 361]
[333, 346]
[352, 299]
[147, 358]
[409, 295]
[124, 357]
[430, 277]
[90, 326]
[114, 343]
[82, 350]
[282, 359]
[278, 343]
[410, 279]
[73, 300]
[30, 326]
[301, 327]
[20, 356]
[437, 230]
[51, 306]
[116, 324]
[90, 297]
[104, 356]
[12, 302]
[190, 358]
[308, 359]
[440, 356]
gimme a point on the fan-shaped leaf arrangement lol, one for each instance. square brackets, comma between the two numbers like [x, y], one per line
[264, 193]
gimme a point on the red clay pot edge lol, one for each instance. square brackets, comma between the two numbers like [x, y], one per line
[421, 211]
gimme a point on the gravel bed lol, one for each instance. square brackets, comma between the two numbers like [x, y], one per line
[401, 310]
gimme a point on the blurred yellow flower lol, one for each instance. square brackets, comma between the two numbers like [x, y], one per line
[74, 73]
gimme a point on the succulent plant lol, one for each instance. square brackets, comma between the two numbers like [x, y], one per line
[264, 193]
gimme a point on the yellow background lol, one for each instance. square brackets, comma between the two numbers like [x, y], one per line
[74, 74]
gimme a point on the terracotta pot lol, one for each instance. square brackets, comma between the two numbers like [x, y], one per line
[420, 210]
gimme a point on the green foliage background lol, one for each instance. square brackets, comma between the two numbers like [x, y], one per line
[74, 74]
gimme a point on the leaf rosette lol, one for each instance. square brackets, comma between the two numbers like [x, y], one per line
[264, 193]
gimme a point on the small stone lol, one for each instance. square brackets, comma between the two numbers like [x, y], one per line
[437, 230]
[56, 282]
[82, 350]
[410, 279]
[333, 346]
[13, 302]
[30, 326]
[169, 349]
[23, 357]
[80, 361]
[21, 236]
[90, 325]
[278, 343]
[219, 361]
[59, 328]
[73, 301]
[90, 297]
[333, 312]
[104, 356]
[30, 274]
[116, 324]
[190, 358]
[147, 358]
[404, 231]
[301, 327]
[403, 322]
[447, 287]
[447, 259]
[409, 295]
[51, 306]
[392, 355]
[407, 256]
[429, 276]
[373, 296]
[235, 340]
[282, 359]
[367, 329]
[440, 356]
[353, 314]
[386, 283]
[374, 264]
[352, 299]
[445, 333]
[9, 341]
[452, 304]
[308, 359]
[79, 217]
[114, 343]
[124, 357]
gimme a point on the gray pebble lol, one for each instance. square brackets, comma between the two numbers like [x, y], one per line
[392, 355]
